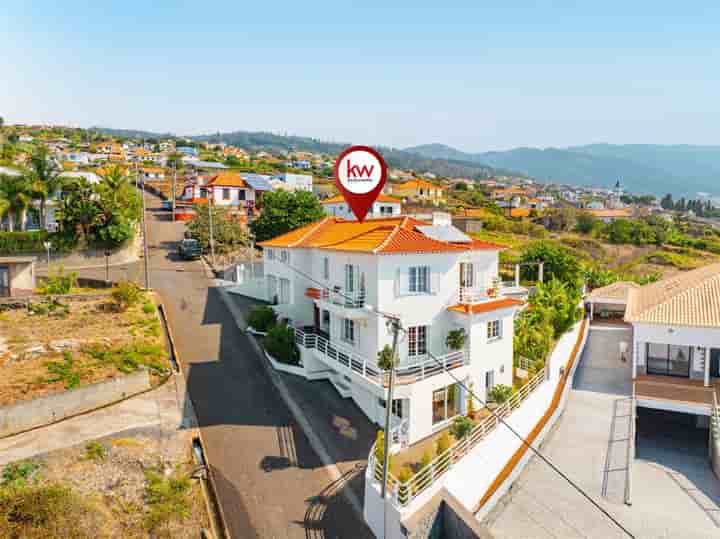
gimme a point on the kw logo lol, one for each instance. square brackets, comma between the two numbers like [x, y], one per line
[356, 172]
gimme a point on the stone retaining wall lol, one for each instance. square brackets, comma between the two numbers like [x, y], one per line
[15, 418]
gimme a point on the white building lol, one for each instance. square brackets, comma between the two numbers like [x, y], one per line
[330, 278]
[384, 206]
[295, 182]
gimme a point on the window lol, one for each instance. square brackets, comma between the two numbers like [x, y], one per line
[348, 330]
[494, 330]
[349, 278]
[417, 341]
[419, 279]
[489, 380]
[397, 407]
[445, 403]
[226, 194]
[326, 268]
[284, 256]
[272, 288]
[241, 194]
[466, 274]
[284, 290]
[325, 321]
[270, 254]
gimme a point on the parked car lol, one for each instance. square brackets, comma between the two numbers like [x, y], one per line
[189, 249]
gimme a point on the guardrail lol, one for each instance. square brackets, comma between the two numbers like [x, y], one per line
[404, 492]
[337, 354]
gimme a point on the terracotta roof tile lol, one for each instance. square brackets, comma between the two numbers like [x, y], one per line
[227, 179]
[619, 290]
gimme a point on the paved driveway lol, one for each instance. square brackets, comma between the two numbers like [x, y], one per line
[270, 481]
[674, 493]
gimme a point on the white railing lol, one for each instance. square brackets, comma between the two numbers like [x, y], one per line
[337, 354]
[400, 432]
[477, 294]
[337, 296]
[404, 493]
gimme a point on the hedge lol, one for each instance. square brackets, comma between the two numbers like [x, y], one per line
[32, 242]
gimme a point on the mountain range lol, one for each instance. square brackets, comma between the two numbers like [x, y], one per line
[642, 168]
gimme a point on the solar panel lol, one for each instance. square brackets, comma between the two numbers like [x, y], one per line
[446, 233]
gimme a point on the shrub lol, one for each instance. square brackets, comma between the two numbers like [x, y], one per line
[500, 393]
[385, 358]
[126, 294]
[167, 498]
[262, 318]
[280, 343]
[455, 339]
[425, 460]
[443, 443]
[95, 451]
[405, 474]
[59, 283]
[17, 473]
[22, 242]
[148, 307]
[461, 427]
[64, 371]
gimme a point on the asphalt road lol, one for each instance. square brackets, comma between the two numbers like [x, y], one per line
[269, 481]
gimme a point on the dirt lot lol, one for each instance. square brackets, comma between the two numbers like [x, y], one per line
[45, 349]
[115, 487]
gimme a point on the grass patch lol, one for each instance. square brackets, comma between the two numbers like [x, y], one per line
[18, 473]
[95, 451]
[679, 260]
[167, 499]
[130, 357]
[64, 371]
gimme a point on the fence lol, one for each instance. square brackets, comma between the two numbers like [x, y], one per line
[715, 437]
[404, 493]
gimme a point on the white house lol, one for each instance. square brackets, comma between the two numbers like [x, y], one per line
[295, 182]
[228, 189]
[384, 206]
[331, 278]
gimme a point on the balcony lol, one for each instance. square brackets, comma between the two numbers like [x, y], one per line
[476, 294]
[346, 304]
[340, 357]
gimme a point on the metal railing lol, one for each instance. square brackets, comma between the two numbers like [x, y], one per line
[404, 493]
[339, 355]
[477, 294]
[354, 299]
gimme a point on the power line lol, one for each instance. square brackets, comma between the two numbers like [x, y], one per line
[484, 404]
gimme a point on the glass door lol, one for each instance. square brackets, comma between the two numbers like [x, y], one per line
[4, 281]
[668, 359]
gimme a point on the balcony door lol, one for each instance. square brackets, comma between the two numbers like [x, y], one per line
[467, 275]
[669, 359]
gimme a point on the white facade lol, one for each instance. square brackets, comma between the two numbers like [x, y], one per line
[232, 196]
[296, 182]
[379, 209]
[419, 288]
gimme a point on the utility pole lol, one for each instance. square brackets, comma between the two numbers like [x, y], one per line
[395, 327]
[210, 225]
[173, 188]
[144, 227]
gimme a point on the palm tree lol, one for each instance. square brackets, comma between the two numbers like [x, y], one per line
[44, 176]
[15, 193]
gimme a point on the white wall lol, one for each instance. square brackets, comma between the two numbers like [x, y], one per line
[342, 210]
[234, 196]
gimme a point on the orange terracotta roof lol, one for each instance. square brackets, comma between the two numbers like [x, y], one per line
[519, 212]
[381, 198]
[418, 183]
[485, 307]
[623, 212]
[227, 179]
[377, 236]
[153, 170]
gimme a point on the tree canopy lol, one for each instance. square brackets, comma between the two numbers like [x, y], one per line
[560, 262]
[284, 211]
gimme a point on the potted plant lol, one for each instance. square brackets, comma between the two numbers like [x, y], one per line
[455, 339]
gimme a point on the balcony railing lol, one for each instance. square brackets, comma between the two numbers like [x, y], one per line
[353, 300]
[341, 356]
[477, 294]
[403, 493]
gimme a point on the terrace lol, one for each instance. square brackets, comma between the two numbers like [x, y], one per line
[669, 392]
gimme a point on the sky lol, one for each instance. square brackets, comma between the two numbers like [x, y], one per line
[476, 75]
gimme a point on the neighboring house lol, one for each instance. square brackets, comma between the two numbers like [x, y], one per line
[675, 348]
[80, 158]
[433, 277]
[419, 190]
[301, 164]
[384, 206]
[608, 216]
[17, 275]
[152, 173]
[229, 189]
[295, 182]
[187, 150]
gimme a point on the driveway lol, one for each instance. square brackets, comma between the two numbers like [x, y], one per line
[269, 480]
[673, 491]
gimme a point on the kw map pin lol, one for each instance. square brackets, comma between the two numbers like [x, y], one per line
[360, 174]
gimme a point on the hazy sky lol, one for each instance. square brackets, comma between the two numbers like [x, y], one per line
[469, 74]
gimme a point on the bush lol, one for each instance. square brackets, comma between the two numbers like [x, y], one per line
[455, 339]
[500, 393]
[443, 443]
[405, 474]
[22, 242]
[461, 427]
[126, 294]
[148, 307]
[262, 318]
[280, 343]
[18, 473]
[59, 283]
[385, 358]
[95, 451]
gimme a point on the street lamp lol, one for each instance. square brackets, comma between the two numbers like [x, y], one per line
[48, 246]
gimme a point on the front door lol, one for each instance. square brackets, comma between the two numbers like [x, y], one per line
[4, 281]
[316, 317]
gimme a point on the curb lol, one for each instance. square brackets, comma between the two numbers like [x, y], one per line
[315, 442]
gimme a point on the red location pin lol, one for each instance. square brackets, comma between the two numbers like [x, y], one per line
[360, 174]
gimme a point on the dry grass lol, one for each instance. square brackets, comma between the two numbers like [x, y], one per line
[91, 326]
